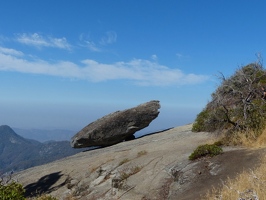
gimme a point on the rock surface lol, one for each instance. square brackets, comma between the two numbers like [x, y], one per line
[148, 168]
[116, 127]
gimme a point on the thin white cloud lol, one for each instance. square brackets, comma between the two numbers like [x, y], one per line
[141, 72]
[60, 43]
[3, 38]
[154, 57]
[88, 43]
[8, 51]
[39, 41]
[109, 38]
[92, 46]
[182, 56]
[179, 55]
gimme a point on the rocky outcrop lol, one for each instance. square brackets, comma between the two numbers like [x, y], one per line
[116, 127]
[152, 167]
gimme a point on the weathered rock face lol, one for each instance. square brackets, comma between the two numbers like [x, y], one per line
[117, 126]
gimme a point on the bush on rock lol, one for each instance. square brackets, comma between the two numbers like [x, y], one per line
[237, 105]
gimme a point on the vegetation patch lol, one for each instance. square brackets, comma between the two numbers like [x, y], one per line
[11, 191]
[126, 173]
[45, 197]
[238, 106]
[205, 150]
[247, 185]
[125, 160]
[142, 153]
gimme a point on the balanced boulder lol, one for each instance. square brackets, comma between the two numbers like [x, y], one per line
[116, 127]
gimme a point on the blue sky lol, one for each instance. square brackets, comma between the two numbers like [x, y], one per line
[64, 64]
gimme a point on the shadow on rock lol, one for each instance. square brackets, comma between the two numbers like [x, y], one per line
[129, 138]
[43, 185]
[153, 133]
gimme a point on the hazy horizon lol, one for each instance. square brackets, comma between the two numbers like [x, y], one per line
[160, 123]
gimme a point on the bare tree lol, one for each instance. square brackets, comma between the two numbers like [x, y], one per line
[238, 103]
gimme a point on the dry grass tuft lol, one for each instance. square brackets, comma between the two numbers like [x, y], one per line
[125, 160]
[126, 173]
[261, 140]
[42, 197]
[247, 139]
[93, 169]
[251, 139]
[249, 185]
[142, 153]
[70, 197]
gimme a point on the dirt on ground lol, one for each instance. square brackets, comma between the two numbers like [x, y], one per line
[148, 168]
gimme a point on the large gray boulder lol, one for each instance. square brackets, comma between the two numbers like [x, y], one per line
[116, 127]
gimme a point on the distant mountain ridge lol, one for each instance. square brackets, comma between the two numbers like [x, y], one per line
[44, 135]
[18, 153]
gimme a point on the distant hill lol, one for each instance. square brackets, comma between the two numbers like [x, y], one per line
[43, 135]
[18, 153]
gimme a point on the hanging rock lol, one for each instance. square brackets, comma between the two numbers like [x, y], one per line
[116, 127]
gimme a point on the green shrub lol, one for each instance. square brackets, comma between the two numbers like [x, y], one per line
[238, 105]
[219, 143]
[206, 150]
[15, 191]
[11, 191]
[199, 124]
